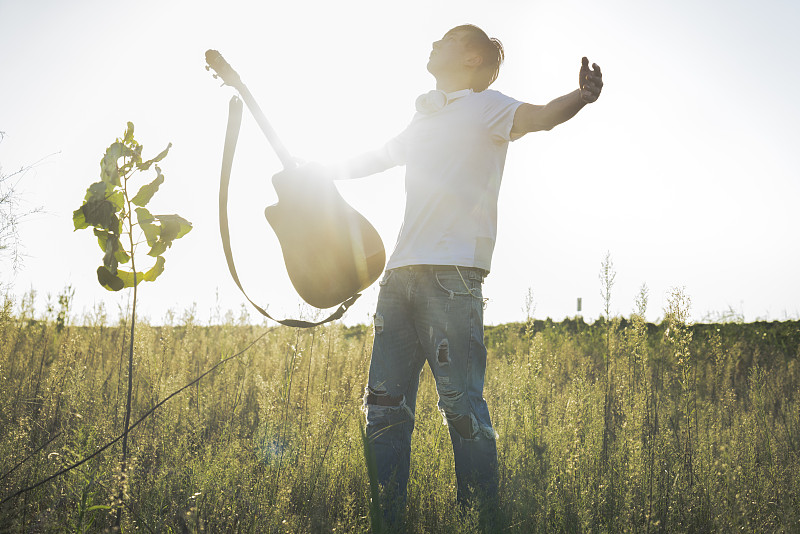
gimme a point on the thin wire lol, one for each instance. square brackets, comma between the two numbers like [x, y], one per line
[471, 291]
[48, 442]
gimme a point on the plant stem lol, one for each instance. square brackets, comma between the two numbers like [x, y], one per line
[130, 359]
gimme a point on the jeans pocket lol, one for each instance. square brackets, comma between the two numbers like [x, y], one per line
[457, 283]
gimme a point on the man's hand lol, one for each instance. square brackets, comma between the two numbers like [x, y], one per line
[590, 81]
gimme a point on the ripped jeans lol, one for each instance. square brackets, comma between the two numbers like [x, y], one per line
[434, 314]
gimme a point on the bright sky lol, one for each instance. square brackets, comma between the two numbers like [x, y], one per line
[685, 170]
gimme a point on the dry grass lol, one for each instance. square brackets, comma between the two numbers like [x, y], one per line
[612, 427]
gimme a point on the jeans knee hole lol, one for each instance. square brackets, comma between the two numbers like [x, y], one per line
[462, 424]
[443, 352]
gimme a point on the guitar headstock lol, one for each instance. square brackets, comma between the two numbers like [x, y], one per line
[222, 69]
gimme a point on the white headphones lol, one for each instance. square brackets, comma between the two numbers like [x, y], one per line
[435, 100]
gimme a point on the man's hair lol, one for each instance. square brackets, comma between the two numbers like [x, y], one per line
[491, 51]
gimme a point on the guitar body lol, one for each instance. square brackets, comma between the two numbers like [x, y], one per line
[330, 250]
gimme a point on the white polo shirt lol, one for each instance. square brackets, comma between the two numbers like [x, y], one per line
[454, 161]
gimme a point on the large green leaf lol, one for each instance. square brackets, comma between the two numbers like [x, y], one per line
[109, 170]
[98, 191]
[79, 219]
[121, 255]
[158, 248]
[146, 220]
[102, 236]
[173, 227]
[147, 191]
[117, 198]
[100, 213]
[103, 239]
[146, 164]
[109, 258]
[108, 280]
[156, 270]
[111, 246]
[127, 277]
[160, 238]
[109, 242]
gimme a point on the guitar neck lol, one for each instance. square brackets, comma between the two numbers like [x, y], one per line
[283, 154]
[223, 70]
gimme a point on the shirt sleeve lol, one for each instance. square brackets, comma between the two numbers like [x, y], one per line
[498, 114]
[397, 147]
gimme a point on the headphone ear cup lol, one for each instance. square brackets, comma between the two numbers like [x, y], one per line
[431, 102]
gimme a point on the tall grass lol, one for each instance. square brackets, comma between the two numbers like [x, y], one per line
[616, 426]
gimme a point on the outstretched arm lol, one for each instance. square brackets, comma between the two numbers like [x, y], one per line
[533, 118]
[365, 164]
[360, 166]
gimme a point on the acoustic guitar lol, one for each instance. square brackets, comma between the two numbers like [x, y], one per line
[330, 250]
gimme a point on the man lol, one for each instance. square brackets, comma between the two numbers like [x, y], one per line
[430, 306]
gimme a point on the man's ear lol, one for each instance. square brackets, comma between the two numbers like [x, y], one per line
[473, 60]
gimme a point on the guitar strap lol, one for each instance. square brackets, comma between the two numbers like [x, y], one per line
[231, 137]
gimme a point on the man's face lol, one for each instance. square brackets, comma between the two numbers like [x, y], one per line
[449, 53]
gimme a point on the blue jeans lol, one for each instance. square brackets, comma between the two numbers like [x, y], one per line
[434, 314]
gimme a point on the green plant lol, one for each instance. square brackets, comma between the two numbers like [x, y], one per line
[109, 208]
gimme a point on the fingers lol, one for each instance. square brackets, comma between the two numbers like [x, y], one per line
[591, 81]
[586, 73]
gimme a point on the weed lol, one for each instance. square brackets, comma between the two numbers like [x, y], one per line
[706, 433]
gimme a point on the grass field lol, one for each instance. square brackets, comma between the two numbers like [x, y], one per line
[615, 426]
